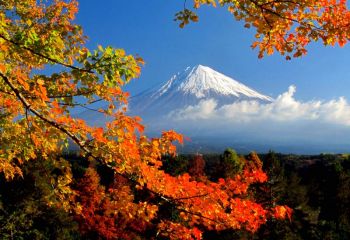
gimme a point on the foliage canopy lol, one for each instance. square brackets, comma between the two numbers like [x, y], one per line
[283, 26]
[46, 71]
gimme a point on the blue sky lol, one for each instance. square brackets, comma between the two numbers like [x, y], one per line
[147, 28]
[309, 116]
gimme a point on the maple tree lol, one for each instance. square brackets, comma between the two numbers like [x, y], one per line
[197, 166]
[112, 213]
[285, 26]
[46, 71]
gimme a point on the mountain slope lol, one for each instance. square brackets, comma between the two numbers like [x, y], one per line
[189, 88]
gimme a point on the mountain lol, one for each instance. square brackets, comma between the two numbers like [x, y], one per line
[188, 88]
[216, 112]
[159, 106]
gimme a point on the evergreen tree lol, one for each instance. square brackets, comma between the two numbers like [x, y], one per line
[230, 163]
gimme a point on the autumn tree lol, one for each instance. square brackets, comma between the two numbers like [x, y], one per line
[110, 212]
[197, 165]
[283, 26]
[46, 71]
[24, 209]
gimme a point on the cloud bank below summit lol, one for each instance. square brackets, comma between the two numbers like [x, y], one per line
[286, 121]
[285, 109]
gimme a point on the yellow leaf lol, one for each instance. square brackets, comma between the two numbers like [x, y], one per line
[40, 82]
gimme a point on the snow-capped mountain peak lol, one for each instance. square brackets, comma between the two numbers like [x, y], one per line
[200, 80]
[188, 88]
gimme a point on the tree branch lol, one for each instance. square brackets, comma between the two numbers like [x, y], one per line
[44, 56]
[83, 146]
[27, 106]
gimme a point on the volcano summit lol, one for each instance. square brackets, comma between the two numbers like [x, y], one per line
[188, 88]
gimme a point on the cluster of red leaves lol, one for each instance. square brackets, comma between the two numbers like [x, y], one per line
[197, 165]
[286, 26]
[110, 213]
[201, 205]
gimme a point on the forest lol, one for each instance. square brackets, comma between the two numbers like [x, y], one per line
[123, 184]
[315, 187]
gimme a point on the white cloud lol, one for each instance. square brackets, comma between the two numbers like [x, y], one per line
[284, 109]
[286, 124]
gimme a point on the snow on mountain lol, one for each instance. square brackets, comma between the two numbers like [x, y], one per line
[199, 80]
[188, 88]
